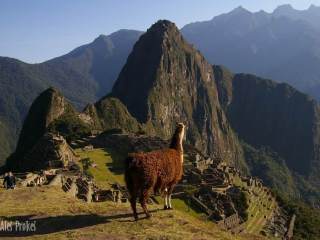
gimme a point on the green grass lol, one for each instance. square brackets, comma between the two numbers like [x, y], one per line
[107, 169]
[181, 205]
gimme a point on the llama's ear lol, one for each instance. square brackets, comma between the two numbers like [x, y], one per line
[179, 124]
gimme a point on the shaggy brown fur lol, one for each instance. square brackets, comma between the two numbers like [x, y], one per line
[156, 171]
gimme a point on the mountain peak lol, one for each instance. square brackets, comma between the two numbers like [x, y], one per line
[163, 28]
[240, 10]
[283, 9]
[162, 25]
[101, 39]
[51, 90]
[313, 7]
[147, 52]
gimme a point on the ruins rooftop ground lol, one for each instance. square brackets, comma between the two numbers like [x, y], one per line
[60, 216]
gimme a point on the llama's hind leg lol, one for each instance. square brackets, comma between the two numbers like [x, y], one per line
[170, 190]
[143, 200]
[133, 202]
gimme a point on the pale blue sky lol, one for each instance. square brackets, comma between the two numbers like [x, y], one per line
[37, 30]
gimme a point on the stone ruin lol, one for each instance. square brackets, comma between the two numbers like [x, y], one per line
[82, 187]
[51, 151]
[116, 193]
[213, 196]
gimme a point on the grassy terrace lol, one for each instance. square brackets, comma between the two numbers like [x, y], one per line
[259, 207]
[108, 166]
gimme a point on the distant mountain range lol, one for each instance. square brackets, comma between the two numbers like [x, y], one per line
[283, 45]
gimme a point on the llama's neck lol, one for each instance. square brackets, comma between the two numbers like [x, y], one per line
[176, 142]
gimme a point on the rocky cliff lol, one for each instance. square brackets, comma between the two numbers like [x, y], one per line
[268, 114]
[276, 115]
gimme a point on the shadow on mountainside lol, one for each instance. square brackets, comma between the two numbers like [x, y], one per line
[47, 225]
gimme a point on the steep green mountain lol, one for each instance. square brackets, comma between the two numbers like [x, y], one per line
[49, 112]
[281, 124]
[283, 45]
[164, 81]
[84, 75]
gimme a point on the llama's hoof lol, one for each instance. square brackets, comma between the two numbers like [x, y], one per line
[136, 218]
[148, 215]
[167, 208]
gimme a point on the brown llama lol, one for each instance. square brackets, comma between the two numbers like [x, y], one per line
[157, 171]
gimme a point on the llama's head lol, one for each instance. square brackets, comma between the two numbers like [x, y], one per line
[177, 138]
[180, 131]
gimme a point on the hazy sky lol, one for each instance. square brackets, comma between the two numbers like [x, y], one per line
[37, 30]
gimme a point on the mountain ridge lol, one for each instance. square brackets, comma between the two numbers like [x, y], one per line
[240, 34]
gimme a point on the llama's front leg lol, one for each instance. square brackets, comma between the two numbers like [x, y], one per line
[143, 200]
[166, 200]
